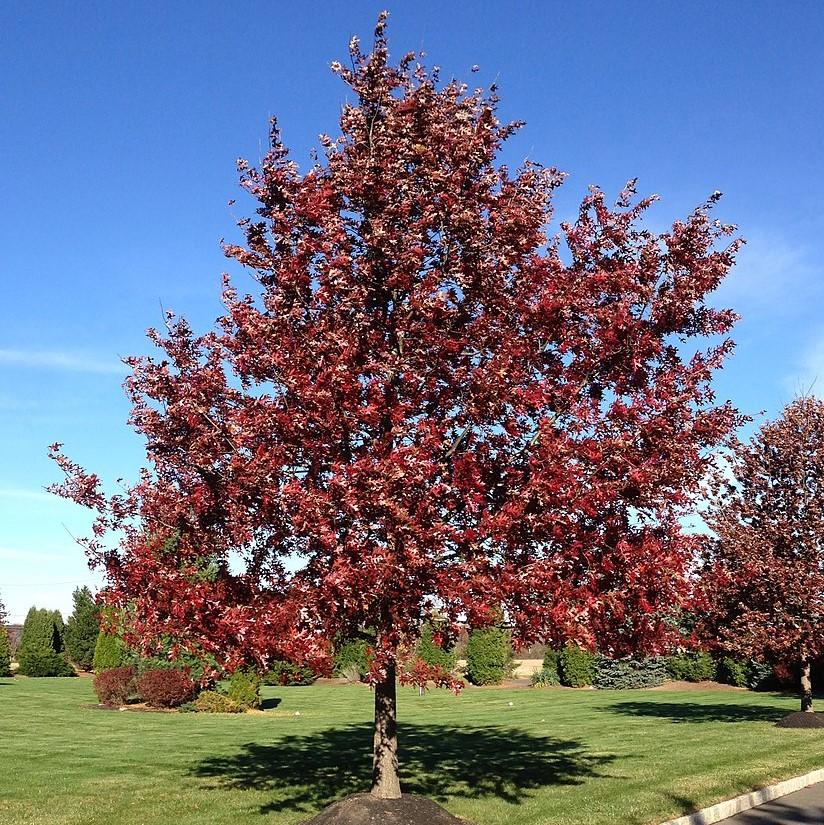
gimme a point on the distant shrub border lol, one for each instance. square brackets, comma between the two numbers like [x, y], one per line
[43, 663]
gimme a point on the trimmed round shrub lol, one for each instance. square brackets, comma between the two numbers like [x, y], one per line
[288, 673]
[629, 673]
[116, 686]
[210, 701]
[432, 653]
[352, 660]
[109, 652]
[489, 658]
[732, 671]
[164, 688]
[244, 688]
[576, 666]
[5, 652]
[696, 666]
[43, 663]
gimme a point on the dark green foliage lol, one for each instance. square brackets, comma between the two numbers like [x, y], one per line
[288, 673]
[547, 676]
[760, 676]
[629, 674]
[352, 659]
[165, 688]
[489, 657]
[432, 653]
[43, 663]
[41, 645]
[109, 652]
[244, 688]
[576, 666]
[42, 631]
[696, 666]
[732, 671]
[116, 686]
[5, 652]
[82, 629]
[210, 701]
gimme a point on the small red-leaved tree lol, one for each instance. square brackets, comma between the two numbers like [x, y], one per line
[428, 405]
[764, 576]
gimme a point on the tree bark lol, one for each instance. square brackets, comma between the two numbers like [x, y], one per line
[806, 687]
[386, 783]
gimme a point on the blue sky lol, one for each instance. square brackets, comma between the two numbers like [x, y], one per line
[120, 124]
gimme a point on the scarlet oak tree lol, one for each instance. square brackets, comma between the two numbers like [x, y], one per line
[428, 404]
[764, 569]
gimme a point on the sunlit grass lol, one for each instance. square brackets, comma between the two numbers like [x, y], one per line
[552, 756]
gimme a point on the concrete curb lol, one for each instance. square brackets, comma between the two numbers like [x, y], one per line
[730, 807]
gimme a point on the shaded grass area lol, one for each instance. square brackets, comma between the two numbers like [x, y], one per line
[551, 756]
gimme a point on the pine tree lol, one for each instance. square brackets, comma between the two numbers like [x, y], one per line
[82, 629]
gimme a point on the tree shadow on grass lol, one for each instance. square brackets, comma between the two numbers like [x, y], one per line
[437, 761]
[699, 712]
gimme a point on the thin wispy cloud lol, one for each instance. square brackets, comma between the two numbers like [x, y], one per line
[772, 276]
[808, 378]
[54, 360]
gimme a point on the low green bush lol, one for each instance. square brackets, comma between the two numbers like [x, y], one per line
[489, 657]
[732, 671]
[43, 663]
[352, 659]
[628, 673]
[545, 677]
[288, 673]
[696, 666]
[429, 651]
[244, 688]
[109, 652]
[576, 666]
[210, 701]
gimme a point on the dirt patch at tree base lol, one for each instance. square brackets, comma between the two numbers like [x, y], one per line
[365, 809]
[802, 719]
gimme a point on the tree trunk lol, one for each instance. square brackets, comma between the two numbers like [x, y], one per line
[386, 783]
[806, 687]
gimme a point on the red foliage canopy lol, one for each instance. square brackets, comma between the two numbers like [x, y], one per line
[429, 403]
[764, 577]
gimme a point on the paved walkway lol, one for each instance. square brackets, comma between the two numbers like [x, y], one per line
[804, 807]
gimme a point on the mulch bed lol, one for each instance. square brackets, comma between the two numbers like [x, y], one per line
[802, 719]
[138, 707]
[365, 809]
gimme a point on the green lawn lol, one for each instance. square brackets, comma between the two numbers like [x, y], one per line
[552, 756]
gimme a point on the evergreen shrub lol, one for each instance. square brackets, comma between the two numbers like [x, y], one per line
[244, 688]
[696, 666]
[489, 657]
[576, 666]
[629, 673]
